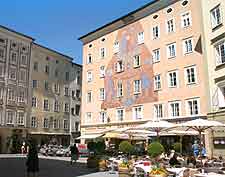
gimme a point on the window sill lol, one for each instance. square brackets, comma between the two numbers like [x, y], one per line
[220, 66]
[140, 43]
[188, 53]
[101, 77]
[155, 62]
[217, 27]
[119, 72]
[171, 57]
[157, 90]
[190, 84]
[137, 93]
[172, 86]
[136, 66]
[155, 38]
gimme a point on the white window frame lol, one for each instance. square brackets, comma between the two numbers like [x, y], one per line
[119, 88]
[158, 111]
[116, 47]
[23, 75]
[45, 123]
[66, 107]
[154, 36]
[34, 83]
[88, 118]
[56, 106]
[89, 58]
[137, 61]
[188, 111]
[218, 53]
[102, 52]
[11, 95]
[11, 56]
[103, 117]
[187, 49]
[101, 94]
[171, 84]
[12, 69]
[89, 76]
[66, 91]
[138, 112]
[214, 19]
[188, 80]
[10, 120]
[20, 120]
[24, 64]
[118, 114]
[137, 91]
[157, 82]
[33, 123]
[119, 66]
[2, 58]
[21, 96]
[170, 52]
[140, 37]
[102, 71]
[171, 114]
[156, 55]
[170, 28]
[184, 18]
[89, 100]
[46, 105]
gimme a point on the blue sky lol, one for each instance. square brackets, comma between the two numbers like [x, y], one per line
[58, 23]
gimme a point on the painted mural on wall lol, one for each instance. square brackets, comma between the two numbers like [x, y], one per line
[128, 49]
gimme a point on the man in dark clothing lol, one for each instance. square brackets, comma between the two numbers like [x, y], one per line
[74, 153]
[173, 161]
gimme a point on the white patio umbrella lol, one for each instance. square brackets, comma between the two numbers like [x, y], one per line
[200, 125]
[156, 126]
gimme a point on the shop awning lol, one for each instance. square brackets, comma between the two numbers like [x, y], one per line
[90, 136]
[116, 135]
[48, 133]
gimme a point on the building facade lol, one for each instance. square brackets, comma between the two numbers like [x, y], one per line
[15, 55]
[214, 50]
[147, 64]
[55, 83]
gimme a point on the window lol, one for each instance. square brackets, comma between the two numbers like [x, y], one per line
[220, 53]
[175, 109]
[67, 76]
[89, 97]
[21, 96]
[220, 96]
[78, 93]
[55, 123]
[35, 66]
[102, 94]
[57, 88]
[186, 19]
[119, 66]
[156, 55]
[102, 71]
[137, 86]
[76, 126]
[20, 118]
[10, 117]
[46, 85]
[188, 45]
[158, 111]
[89, 59]
[34, 102]
[157, 82]
[190, 73]
[14, 58]
[171, 50]
[66, 108]
[138, 112]
[66, 91]
[173, 79]
[2, 53]
[12, 73]
[24, 60]
[66, 124]
[34, 83]
[140, 38]
[33, 122]
[155, 32]
[119, 89]
[56, 73]
[46, 123]
[88, 117]
[120, 114]
[56, 106]
[2, 70]
[23, 75]
[77, 110]
[1, 93]
[137, 61]
[78, 78]
[192, 106]
[73, 111]
[47, 69]
[46, 105]
[170, 26]
[216, 18]
[116, 47]
[11, 94]
[103, 117]
[89, 76]
[102, 53]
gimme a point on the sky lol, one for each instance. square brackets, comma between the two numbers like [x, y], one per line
[58, 24]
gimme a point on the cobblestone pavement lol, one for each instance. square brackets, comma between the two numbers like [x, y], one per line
[14, 166]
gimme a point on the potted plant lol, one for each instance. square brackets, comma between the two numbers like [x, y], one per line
[155, 149]
[127, 148]
[177, 147]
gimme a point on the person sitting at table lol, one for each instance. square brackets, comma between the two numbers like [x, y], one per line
[191, 161]
[173, 161]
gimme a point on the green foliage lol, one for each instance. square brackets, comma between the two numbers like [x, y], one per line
[126, 147]
[177, 146]
[91, 146]
[155, 149]
[100, 147]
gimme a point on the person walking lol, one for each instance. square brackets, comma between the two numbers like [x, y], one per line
[32, 162]
[74, 153]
